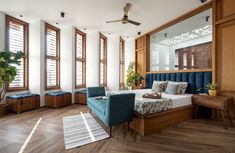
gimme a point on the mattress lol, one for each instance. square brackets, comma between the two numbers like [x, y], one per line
[146, 106]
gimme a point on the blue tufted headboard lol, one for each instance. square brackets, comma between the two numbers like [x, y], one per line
[196, 80]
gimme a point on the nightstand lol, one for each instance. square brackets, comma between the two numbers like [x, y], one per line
[219, 103]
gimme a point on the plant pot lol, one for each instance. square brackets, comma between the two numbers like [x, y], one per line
[212, 92]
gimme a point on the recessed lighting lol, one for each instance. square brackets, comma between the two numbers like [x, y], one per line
[62, 14]
[84, 28]
[21, 15]
[139, 33]
[109, 33]
[57, 23]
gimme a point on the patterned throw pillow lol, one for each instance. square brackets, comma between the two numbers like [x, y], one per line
[172, 88]
[182, 87]
[159, 86]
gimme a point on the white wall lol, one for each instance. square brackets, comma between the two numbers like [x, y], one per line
[159, 53]
[66, 59]
[113, 62]
[2, 31]
[92, 57]
[129, 52]
[34, 58]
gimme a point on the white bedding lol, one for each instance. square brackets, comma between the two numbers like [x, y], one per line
[177, 100]
[148, 106]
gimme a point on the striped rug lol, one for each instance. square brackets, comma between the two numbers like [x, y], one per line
[81, 130]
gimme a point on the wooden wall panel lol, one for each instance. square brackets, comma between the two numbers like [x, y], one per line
[226, 7]
[140, 43]
[228, 56]
[224, 50]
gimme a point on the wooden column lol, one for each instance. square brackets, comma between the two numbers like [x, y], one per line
[224, 47]
[142, 45]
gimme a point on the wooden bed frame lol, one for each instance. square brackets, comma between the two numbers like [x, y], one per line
[147, 124]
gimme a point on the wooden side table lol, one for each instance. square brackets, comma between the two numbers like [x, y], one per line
[58, 99]
[215, 102]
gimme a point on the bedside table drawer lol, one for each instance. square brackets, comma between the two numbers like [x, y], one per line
[210, 102]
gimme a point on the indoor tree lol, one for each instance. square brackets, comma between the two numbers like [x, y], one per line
[131, 75]
[8, 71]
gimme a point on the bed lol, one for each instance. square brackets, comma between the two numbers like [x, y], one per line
[181, 108]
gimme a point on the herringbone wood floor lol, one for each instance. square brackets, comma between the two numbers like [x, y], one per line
[190, 136]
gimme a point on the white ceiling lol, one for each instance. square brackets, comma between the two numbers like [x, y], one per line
[92, 14]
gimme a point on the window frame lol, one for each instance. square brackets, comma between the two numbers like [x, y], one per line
[56, 58]
[83, 59]
[121, 62]
[8, 19]
[104, 61]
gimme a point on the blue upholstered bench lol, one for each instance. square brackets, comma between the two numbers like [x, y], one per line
[114, 110]
[81, 97]
[58, 99]
[23, 102]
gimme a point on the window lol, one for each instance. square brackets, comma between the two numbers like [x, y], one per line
[103, 61]
[80, 59]
[52, 58]
[122, 63]
[17, 40]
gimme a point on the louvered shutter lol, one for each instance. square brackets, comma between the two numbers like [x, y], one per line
[52, 57]
[16, 43]
[103, 60]
[80, 59]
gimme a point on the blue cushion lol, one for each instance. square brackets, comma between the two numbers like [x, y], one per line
[83, 91]
[99, 104]
[23, 95]
[57, 93]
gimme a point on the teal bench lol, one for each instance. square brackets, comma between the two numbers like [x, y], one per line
[114, 110]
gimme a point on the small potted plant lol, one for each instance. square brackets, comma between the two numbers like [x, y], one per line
[212, 89]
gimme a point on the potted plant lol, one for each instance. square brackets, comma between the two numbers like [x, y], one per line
[131, 76]
[8, 71]
[212, 88]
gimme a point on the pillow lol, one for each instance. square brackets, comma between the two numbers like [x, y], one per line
[153, 95]
[182, 87]
[172, 88]
[159, 86]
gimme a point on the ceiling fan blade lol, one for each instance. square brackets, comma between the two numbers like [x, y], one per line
[113, 21]
[127, 9]
[133, 22]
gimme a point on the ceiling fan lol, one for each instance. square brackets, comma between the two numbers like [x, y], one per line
[125, 19]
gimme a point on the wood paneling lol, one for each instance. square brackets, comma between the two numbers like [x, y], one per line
[152, 123]
[224, 49]
[142, 45]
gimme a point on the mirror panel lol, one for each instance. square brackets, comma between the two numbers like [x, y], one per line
[183, 46]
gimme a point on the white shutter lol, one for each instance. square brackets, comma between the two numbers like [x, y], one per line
[16, 43]
[80, 59]
[52, 57]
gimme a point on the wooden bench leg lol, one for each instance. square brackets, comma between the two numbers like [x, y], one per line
[230, 119]
[223, 118]
[110, 131]
[128, 126]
